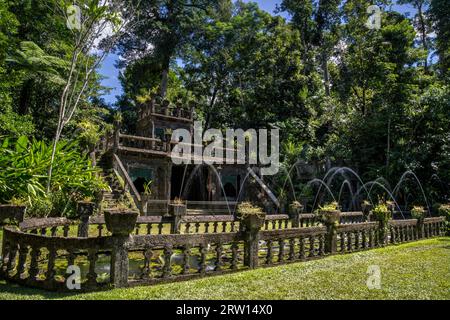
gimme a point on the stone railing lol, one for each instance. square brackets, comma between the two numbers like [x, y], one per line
[35, 260]
[39, 251]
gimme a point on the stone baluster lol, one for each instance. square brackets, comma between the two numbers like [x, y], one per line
[167, 268]
[197, 227]
[206, 227]
[34, 265]
[160, 227]
[53, 231]
[349, 242]
[23, 252]
[280, 251]
[92, 275]
[269, 254]
[302, 255]
[149, 228]
[66, 229]
[186, 259]
[50, 274]
[364, 239]
[84, 211]
[215, 226]
[371, 238]
[312, 244]
[100, 229]
[224, 227]
[219, 262]
[146, 268]
[322, 245]
[187, 227]
[393, 235]
[356, 233]
[234, 255]
[71, 257]
[291, 249]
[342, 239]
[203, 252]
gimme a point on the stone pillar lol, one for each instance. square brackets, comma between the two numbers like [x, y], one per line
[177, 211]
[85, 210]
[420, 228]
[119, 262]
[9, 211]
[120, 224]
[331, 221]
[382, 232]
[250, 226]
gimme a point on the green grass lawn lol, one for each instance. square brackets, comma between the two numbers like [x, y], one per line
[419, 270]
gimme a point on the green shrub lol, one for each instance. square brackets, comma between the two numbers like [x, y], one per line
[418, 213]
[382, 213]
[444, 211]
[24, 175]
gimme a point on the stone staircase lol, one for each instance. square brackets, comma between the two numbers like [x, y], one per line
[115, 196]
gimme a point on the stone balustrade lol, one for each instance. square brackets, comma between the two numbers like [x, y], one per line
[38, 252]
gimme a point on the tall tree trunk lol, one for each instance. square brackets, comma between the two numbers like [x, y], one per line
[388, 149]
[423, 33]
[25, 94]
[326, 73]
[164, 82]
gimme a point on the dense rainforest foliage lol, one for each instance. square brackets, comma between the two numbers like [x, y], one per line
[375, 100]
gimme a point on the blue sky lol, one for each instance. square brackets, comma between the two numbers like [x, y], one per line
[111, 73]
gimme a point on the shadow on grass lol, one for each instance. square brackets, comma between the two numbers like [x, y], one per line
[33, 293]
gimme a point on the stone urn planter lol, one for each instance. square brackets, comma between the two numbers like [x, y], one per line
[177, 209]
[251, 218]
[11, 211]
[330, 216]
[252, 222]
[295, 209]
[119, 222]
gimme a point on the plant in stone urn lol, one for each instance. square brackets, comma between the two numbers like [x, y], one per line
[390, 205]
[329, 213]
[382, 214]
[418, 213]
[177, 208]
[296, 207]
[120, 222]
[14, 211]
[251, 217]
[444, 211]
